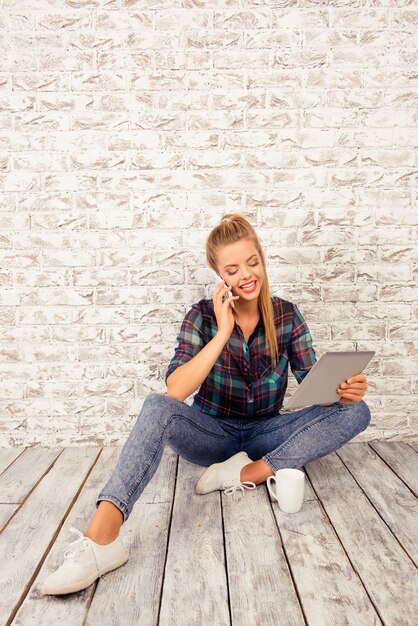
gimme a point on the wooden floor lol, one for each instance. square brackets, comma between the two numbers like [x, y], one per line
[348, 557]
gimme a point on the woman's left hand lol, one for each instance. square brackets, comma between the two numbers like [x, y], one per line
[353, 389]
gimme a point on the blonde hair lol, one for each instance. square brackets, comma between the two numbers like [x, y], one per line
[232, 228]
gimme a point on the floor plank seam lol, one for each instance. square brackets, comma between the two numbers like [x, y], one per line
[291, 574]
[14, 461]
[167, 547]
[228, 586]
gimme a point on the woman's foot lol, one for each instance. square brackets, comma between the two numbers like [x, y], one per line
[84, 562]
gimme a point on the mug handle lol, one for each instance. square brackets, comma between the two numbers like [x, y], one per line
[272, 492]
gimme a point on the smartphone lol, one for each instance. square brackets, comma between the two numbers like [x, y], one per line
[228, 295]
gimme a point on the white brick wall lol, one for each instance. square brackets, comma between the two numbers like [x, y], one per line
[127, 128]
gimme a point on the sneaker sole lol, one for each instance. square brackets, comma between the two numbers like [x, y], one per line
[82, 584]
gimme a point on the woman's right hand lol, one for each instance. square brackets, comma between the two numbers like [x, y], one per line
[223, 310]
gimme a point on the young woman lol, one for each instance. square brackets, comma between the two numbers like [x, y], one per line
[236, 350]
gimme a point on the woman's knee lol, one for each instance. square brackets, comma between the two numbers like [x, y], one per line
[150, 405]
[158, 398]
[362, 413]
[152, 397]
[158, 404]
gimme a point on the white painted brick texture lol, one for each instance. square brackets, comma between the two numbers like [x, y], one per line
[127, 128]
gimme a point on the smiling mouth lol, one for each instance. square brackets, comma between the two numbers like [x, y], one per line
[251, 287]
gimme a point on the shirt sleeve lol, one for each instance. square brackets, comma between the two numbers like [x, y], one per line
[302, 356]
[190, 340]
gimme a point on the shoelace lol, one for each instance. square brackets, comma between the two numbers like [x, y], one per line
[72, 547]
[246, 484]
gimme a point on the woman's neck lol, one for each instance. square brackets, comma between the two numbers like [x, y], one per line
[247, 315]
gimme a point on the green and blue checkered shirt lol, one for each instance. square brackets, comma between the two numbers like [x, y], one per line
[242, 381]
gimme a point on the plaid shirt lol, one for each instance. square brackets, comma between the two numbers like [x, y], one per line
[242, 381]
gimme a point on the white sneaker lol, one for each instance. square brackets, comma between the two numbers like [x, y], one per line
[84, 561]
[225, 476]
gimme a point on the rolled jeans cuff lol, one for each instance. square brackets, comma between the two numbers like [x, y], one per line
[121, 506]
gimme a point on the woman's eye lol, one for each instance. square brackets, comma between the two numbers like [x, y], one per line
[232, 273]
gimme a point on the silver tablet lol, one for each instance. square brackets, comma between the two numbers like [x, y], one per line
[323, 379]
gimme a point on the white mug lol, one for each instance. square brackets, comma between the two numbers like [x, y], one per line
[290, 487]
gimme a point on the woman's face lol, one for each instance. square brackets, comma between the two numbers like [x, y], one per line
[239, 263]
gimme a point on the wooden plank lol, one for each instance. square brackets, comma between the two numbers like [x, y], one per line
[195, 584]
[8, 456]
[414, 445]
[260, 583]
[388, 574]
[26, 538]
[131, 594]
[402, 458]
[23, 469]
[20, 477]
[329, 589]
[394, 501]
[6, 512]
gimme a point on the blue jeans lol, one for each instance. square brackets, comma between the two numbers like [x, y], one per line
[283, 440]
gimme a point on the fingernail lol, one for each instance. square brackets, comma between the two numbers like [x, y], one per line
[349, 380]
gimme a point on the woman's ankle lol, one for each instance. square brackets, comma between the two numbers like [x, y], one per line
[105, 524]
[102, 538]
